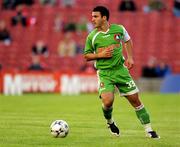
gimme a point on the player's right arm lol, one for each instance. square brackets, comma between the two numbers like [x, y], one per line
[91, 54]
[107, 53]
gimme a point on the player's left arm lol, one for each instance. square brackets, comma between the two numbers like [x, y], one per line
[128, 45]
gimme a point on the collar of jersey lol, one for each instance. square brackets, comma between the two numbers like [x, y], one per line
[104, 32]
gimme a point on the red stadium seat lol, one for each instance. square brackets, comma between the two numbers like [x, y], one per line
[154, 33]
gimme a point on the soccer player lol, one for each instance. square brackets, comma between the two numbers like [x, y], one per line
[104, 45]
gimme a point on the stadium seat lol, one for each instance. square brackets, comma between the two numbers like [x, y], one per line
[158, 37]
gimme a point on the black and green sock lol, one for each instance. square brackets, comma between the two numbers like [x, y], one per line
[108, 114]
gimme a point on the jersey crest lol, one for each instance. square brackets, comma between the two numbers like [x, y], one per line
[118, 37]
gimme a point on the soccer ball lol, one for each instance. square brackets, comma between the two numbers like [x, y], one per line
[59, 128]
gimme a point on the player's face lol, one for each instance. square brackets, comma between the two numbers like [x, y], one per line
[97, 19]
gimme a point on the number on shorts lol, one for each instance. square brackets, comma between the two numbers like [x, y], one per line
[131, 84]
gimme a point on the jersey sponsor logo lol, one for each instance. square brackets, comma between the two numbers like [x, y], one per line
[113, 46]
[105, 36]
[118, 37]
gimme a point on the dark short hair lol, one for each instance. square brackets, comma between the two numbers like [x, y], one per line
[103, 10]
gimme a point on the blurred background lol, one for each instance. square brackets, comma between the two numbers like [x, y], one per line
[48, 36]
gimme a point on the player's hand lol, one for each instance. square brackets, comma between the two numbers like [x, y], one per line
[129, 63]
[107, 53]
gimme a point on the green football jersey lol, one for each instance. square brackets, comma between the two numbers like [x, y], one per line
[97, 41]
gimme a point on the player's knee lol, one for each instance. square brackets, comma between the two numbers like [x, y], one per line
[107, 99]
[107, 103]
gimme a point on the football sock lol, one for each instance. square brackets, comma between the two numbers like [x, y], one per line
[108, 114]
[147, 127]
[142, 115]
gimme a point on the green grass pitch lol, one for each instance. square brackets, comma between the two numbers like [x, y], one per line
[25, 121]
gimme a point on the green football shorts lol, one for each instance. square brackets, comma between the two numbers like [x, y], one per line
[118, 77]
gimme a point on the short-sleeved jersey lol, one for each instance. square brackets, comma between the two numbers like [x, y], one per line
[97, 41]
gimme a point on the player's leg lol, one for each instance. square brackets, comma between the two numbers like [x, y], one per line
[128, 88]
[107, 107]
[106, 93]
[142, 114]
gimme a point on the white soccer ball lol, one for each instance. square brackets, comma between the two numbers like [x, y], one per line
[59, 128]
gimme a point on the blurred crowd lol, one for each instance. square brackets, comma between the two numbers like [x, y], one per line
[152, 5]
[155, 68]
[68, 46]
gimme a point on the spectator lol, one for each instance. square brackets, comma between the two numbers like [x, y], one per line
[67, 46]
[59, 23]
[84, 25]
[20, 17]
[155, 5]
[68, 3]
[49, 2]
[127, 5]
[149, 70]
[80, 46]
[28, 2]
[12, 4]
[8, 4]
[162, 69]
[40, 48]
[70, 25]
[35, 65]
[176, 8]
[89, 26]
[4, 33]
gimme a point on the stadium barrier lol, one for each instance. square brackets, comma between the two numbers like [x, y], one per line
[17, 83]
[149, 84]
[12, 83]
